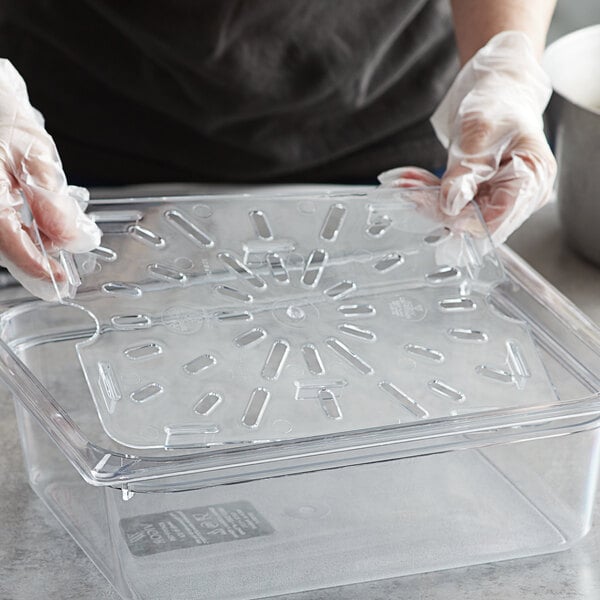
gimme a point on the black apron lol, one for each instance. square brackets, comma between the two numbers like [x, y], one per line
[234, 90]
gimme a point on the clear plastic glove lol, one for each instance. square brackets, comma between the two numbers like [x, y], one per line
[491, 122]
[30, 169]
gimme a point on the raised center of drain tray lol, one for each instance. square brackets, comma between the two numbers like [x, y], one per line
[245, 319]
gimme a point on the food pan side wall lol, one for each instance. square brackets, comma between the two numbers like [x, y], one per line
[79, 507]
[314, 530]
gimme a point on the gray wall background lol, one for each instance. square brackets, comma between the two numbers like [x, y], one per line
[574, 14]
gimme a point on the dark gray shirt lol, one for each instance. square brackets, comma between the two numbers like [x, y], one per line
[226, 90]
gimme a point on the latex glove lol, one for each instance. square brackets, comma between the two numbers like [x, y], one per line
[30, 169]
[491, 122]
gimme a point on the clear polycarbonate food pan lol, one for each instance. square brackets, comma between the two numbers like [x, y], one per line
[254, 395]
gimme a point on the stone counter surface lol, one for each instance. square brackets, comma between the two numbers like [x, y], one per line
[38, 560]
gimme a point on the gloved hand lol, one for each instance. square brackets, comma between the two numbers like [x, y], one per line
[30, 170]
[491, 123]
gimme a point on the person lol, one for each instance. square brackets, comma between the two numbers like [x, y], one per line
[272, 91]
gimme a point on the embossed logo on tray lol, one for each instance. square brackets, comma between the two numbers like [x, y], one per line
[183, 319]
[407, 308]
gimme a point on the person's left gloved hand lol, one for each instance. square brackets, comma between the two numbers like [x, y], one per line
[32, 180]
[491, 122]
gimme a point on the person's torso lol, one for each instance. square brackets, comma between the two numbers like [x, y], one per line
[225, 89]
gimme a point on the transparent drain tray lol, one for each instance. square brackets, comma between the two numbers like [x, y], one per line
[237, 319]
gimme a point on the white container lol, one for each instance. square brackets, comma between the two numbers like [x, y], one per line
[398, 479]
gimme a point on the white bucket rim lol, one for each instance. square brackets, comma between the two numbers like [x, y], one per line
[556, 50]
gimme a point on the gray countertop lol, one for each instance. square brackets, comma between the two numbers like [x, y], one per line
[39, 560]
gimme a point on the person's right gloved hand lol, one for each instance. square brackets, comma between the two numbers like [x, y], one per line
[491, 122]
[31, 171]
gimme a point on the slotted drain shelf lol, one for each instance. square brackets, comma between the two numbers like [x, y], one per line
[238, 319]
